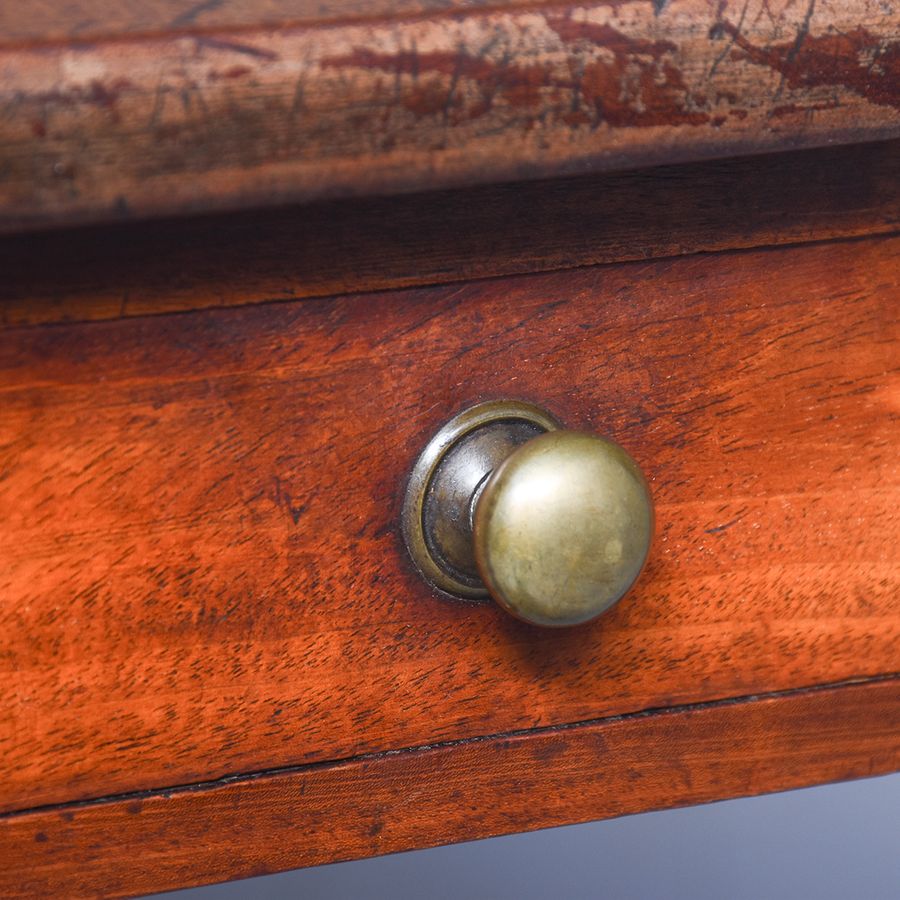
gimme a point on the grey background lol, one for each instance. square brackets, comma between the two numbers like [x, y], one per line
[838, 842]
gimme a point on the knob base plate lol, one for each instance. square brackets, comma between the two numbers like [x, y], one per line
[445, 484]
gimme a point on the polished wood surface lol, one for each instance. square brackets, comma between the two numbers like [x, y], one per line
[171, 486]
[428, 796]
[211, 261]
[111, 114]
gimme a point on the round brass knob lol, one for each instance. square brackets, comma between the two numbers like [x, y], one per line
[562, 528]
[556, 525]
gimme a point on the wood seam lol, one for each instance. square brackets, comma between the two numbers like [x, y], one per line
[363, 292]
[660, 711]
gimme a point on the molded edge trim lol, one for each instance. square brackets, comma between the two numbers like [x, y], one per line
[426, 796]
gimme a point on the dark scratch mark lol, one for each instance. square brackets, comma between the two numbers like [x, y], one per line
[832, 60]
[724, 527]
[802, 34]
[189, 16]
[246, 49]
[454, 81]
[284, 499]
[718, 30]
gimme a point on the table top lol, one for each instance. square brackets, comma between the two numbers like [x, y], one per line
[115, 112]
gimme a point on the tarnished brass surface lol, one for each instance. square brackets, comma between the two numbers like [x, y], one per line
[563, 528]
[555, 525]
[446, 480]
[455, 485]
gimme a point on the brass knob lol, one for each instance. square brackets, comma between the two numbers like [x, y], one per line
[556, 525]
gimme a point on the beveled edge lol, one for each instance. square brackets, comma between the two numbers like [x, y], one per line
[446, 437]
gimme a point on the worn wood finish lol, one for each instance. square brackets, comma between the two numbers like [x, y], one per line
[114, 271]
[171, 121]
[91, 20]
[171, 486]
[432, 796]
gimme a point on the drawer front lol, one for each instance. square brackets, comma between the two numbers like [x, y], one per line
[203, 570]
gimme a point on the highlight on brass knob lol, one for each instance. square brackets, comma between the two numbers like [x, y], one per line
[555, 525]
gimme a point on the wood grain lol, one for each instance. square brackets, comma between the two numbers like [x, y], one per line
[178, 120]
[210, 261]
[203, 574]
[41, 21]
[431, 796]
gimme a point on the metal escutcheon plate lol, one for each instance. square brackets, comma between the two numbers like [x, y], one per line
[446, 483]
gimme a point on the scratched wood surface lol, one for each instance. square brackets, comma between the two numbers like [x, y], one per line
[439, 795]
[81, 20]
[205, 106]
[202, 568]
[357, 245]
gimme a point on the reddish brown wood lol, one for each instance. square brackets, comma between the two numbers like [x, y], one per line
[91, 20]
[116, 123]
[431, 796]
[100, 273]
[202, 569]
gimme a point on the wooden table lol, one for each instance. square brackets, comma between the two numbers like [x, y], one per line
[257, 253]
